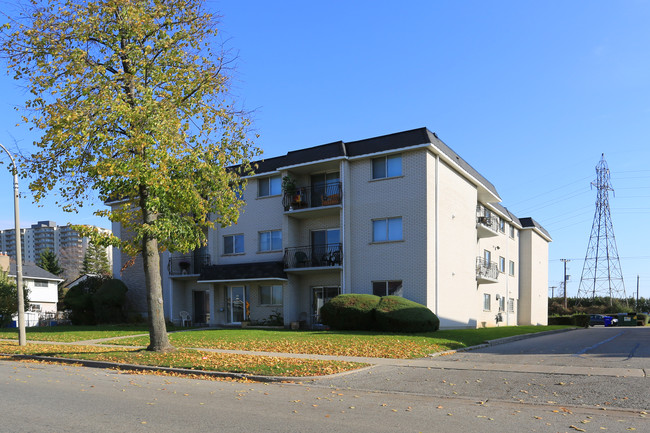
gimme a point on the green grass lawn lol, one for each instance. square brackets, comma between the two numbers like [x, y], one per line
[342, 343]
[70, 334]
[188, 359]
[338, 343]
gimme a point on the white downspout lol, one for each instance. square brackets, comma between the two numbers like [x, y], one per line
[436, 216]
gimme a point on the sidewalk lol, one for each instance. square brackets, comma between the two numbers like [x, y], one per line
[434, 361]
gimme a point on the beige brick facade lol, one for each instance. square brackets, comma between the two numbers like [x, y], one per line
[442, 204]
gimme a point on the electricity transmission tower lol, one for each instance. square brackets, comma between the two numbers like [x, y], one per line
[601, 273]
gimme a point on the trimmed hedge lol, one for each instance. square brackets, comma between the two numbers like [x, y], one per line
[370, 312]
[397, 314]
[350, 311]
[581, 320]
[640, 317]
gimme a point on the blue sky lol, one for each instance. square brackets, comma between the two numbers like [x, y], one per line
[529, 93]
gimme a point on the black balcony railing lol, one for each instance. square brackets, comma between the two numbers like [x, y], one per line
[491, 222]
[313, 196]
[313, 256]
[188, 264]
[486, 270]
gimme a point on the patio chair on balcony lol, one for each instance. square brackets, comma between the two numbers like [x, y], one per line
[301, 259]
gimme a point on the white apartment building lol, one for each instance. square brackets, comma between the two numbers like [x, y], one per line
[64, 241]
[400, 214]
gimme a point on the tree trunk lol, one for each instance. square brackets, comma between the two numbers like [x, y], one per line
[158, 341]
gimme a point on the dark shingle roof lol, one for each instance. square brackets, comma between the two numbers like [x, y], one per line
[383, 143]
[33, 271]
[244, 271]
[528, 222]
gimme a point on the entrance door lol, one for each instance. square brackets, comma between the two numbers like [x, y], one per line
[201, 307]
[236, 304]
[325, 247]
[324, 185]
[320, 297]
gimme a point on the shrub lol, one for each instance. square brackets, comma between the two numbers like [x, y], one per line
[560, 320]
[397, 314]
[79, 299]
[581, 320]
[109, 300]
[350, 311]
[644, 318]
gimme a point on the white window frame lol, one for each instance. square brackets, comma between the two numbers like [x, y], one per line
[512, 231]
[389, 235]
[502, 303]
[390, 164]
[502, 225]
[487, 302]
[274, 186]
[233, 239]
[511, 305]
[270, 240]
[397, 291]
[275, 294]
[502, 264]
[511, 270]
[39, 283]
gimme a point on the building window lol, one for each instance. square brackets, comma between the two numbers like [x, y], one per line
[268, 186]
[40, 283]
[511, 305]
[512, 268]
[387, 230]
[387, 288]
[486, 302]
[233, 244]
[512, 232]
[387, 166]
[502, 225]
[502, 303]
[271, 240]
[487, 256]
[502, 264]
[270, 295]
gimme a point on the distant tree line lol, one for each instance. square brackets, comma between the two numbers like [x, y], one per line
[597, 305]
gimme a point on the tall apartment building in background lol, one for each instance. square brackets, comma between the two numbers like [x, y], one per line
[64, 241]
[400, 214]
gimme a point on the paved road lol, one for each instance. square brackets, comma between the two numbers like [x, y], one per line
[597, 367]
[50, 398]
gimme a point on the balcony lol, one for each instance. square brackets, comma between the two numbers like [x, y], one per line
[487, 224]
[314, 257]
[311, 197]
[188, 264]
[486, 272]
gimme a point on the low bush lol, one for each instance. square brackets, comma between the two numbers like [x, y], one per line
[581, 320]
[644, 318]
[561, 320]
[397, 314]
[350, 311]
[109, 300]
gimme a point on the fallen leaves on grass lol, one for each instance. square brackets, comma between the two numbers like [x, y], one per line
[189, 359]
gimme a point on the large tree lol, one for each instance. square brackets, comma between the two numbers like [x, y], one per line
[50, 262]
[96, 261]
[130, 98]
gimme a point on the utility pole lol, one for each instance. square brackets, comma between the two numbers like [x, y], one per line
[565, 261]
[636, 307]
[22, 337]
[553, 291]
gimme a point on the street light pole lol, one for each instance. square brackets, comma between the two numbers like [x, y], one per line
[22, 338]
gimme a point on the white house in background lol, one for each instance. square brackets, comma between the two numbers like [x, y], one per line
[43, 290]
[400, 214]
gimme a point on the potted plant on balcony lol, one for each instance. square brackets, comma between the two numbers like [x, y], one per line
[290, 190]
